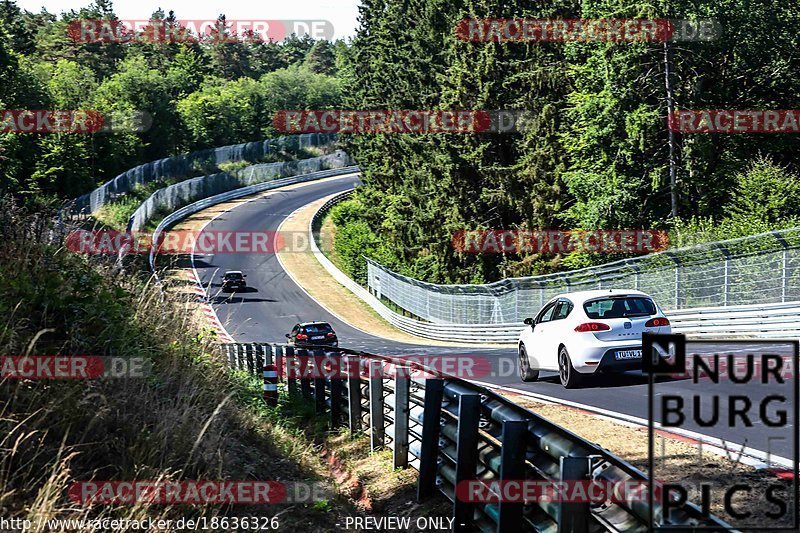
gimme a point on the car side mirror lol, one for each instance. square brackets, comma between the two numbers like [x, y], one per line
[244, 276]
[528, 322]
[287, 335]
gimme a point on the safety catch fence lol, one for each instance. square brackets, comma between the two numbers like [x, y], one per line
[760, 269]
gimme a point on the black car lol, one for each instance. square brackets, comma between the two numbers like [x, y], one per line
[313, 333]
[233, 280]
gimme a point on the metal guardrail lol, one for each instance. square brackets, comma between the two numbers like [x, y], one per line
[468, 333]
[452, 431]
[205, 203]
[758, 320]
[183, 166]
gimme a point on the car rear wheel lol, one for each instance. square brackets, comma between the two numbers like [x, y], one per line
[570, 379]
[526, 373]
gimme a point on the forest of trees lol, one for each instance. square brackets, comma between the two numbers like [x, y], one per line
[199, 94]
[597, 155]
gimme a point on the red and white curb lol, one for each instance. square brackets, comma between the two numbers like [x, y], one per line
[207, 309]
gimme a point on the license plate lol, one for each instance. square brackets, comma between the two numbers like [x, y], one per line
[628, 354]
[318, 338]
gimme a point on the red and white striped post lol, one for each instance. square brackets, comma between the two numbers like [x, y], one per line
[271, 385]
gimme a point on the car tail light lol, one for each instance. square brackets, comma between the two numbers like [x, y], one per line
[302, 336]
[331, 334]
[657, 322]
[592, 326]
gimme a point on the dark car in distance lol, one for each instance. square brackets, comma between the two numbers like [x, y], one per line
[317, 333]
[233, 280]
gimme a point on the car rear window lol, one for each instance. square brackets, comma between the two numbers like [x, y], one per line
[233, 276]
[318, 328]
[619, 307]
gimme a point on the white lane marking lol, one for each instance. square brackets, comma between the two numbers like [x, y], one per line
[256, 197]
[750, 456]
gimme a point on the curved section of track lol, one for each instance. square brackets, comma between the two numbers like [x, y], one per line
[275, 303]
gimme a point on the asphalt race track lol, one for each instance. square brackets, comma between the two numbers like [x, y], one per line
[275, 303]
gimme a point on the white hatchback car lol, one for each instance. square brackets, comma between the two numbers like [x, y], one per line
[581, 333]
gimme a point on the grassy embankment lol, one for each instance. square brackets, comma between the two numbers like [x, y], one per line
[189, 418]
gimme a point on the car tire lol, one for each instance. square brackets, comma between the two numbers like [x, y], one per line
[567, 374]
[526, 373]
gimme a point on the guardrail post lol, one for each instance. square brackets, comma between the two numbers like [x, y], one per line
[237, 356]
[376, 403]
[784, 265]
[250, 350]
[429, 446]
[402, 395]
[636, 271]
[785, 276]
[336, 392]
[319, 383]
[261, 356]
[230, 354]
[512, 467]
[289, 364]
[353, 364]
[305, 382]
[573, 517]
[677, 279]
[469, 415]
[726, 279]
[274, 355]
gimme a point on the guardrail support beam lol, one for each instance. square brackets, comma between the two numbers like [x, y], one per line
[573, 517]
[376, 403]
[288, 364]
[429, 447]
[469, 415]
[512, 467]
[353, 364]
[305, 382]
[336, 394]
[402, 394]
[319, 383]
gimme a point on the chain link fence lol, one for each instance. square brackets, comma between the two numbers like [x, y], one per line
[761, 269]
[170, 198]
[197, 163]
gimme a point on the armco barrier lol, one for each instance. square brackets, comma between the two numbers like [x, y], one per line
[469, 333]
[180, 194]
[764, 320]
[186, 165]
[452, 431]
[205, 203]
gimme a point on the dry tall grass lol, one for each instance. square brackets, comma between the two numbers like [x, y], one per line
[189, 418]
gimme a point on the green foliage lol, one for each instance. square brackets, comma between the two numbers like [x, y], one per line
[198, 95]
[595, 152]
[767, 192]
